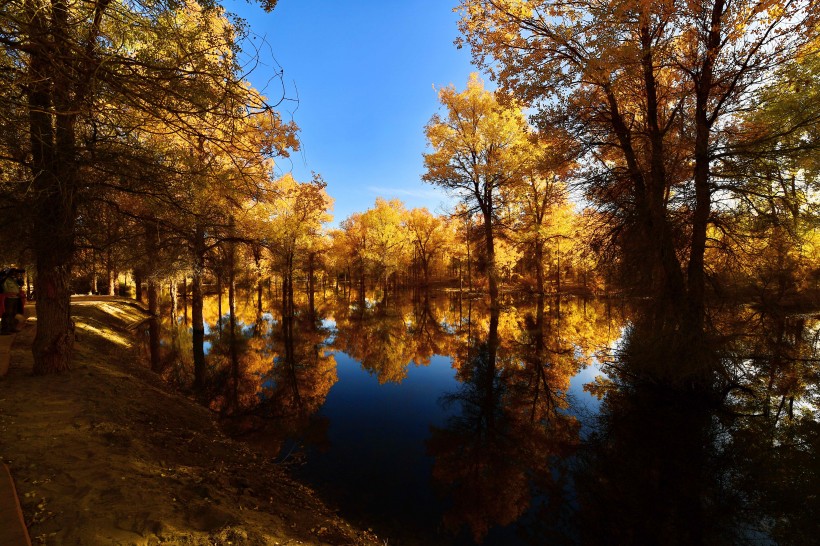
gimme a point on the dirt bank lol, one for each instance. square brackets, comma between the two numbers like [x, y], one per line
[106, 454]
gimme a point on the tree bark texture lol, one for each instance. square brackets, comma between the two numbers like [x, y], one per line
[54, 182]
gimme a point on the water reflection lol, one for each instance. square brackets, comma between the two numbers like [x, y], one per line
[435, 418]
[508, 444]
[689, 448]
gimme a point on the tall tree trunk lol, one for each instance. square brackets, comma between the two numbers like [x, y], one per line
[469, 266]
[153, 325]
[138, 285]
[197, 319]
[291, 307]
[539, 265]
[51, 125]
[703, 197]
[311, 289]
[361, 285]
[94, 274]
[257, 256]
[151, 246]
[232, 325]
[173, 297]
[492, 270]
[185, 300]
[219, 301]
[111, 280]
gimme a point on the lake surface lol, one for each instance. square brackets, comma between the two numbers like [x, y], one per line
[432, 420]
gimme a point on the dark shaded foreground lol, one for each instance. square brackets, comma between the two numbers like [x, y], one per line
[105, 454]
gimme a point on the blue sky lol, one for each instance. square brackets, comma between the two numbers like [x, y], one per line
[364, 73]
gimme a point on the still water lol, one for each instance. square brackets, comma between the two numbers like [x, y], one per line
[432, 420]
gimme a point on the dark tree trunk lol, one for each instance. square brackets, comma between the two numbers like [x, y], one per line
[232, 327]
[257, 256]
[153, 325]
[469, 264]
[492, 270]
[152, 244]
[219, 301]
[51, 125]
[259, 297]
[54, 340]
[185, 300]
[703, 197]
[138, 285]
[310, 280]
[197, 320]
[539, 265]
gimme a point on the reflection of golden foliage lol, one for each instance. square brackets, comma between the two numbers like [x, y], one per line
[599, 387]
[512, 419]
[387, 341]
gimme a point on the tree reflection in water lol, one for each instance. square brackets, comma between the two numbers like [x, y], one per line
[286, 373]
[707, 441]
[508, 444]
[692, 453]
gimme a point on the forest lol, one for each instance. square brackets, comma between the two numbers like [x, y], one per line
[659, 156]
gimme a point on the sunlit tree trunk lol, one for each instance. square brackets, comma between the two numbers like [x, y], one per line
[94, 273]
[111, 275]
[361, 283]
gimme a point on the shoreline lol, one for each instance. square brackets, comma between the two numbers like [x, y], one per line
[109, 454]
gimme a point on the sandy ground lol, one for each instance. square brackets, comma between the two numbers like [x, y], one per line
[106, 454]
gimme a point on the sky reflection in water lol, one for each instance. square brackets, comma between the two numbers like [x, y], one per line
[375, 462]
[510, 459]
